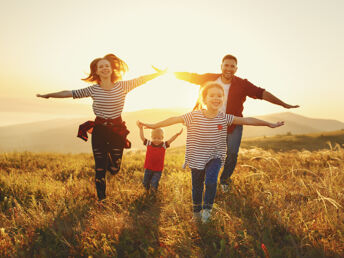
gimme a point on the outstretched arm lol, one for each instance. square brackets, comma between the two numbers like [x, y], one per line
[196, 78]
[60, 94]
[152, 76]
[132, 84]
[167, 122]
[274, 100]
[140, 125]
[174, 137]
[254, 121]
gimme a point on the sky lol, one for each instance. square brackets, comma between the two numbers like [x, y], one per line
[294, 49]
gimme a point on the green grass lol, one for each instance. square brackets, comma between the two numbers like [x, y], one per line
[311, 142]
[291, 202]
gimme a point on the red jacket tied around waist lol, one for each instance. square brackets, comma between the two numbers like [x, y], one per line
[117, 126]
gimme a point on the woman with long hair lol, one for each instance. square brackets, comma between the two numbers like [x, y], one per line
[108, 130]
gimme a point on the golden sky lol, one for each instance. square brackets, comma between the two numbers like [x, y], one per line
[292, 48]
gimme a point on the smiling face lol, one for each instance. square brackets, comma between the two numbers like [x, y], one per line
[104, 69]
[214, 98]
[228, 68]
[157, 136]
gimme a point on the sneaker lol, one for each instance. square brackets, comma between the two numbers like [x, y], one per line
[206, 214]
[224, 188]
[197, 216]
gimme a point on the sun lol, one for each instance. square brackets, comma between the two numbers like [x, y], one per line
[163, 92]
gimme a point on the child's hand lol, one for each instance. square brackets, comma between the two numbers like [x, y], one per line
[139, 124]
[278, 124]
[180, 132]
[149, 126]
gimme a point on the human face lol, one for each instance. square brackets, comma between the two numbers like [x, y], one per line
[104, 69]
[214, 99]
[228, 68]
[157, 137]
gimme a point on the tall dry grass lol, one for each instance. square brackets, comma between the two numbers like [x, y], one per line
[286, 204]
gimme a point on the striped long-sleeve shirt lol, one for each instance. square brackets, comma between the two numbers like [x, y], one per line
[206, 138]
[108, 104]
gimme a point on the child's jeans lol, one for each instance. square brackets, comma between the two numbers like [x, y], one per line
[209, 174]
[151, 178]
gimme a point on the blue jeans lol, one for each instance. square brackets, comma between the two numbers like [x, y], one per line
[233, 144]
[210, 174]
[151, 178]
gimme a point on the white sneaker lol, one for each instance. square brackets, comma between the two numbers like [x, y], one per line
[206, 214]
[197, 216]
[224, 188]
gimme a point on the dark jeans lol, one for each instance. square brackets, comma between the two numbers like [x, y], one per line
[233, 144]
[107, 152]
[208, 175]
[151, 178]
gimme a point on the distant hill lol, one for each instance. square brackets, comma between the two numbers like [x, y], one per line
[59, 135]
[295, 124]
[287, 142]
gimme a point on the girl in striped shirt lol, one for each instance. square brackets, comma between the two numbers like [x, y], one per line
[108, 130]
[206, 144]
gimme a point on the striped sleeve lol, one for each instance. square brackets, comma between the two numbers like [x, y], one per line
[82, 93]
[187, 118]
[131, 84]
[229, 119]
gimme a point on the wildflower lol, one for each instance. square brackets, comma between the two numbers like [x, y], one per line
[265, 251]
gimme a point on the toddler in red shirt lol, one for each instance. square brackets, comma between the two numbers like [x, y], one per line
[155, 156]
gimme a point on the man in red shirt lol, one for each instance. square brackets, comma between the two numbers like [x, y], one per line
[236, 89]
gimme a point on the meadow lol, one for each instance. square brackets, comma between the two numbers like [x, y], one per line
[285, 203]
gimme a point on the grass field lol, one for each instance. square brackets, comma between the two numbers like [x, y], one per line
[281, 204]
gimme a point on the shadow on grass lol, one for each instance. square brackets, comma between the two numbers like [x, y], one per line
[60, 238]
[205, 240]
[213, 242]
[141, 236]
[262, 228]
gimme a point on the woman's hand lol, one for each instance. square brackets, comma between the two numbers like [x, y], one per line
[46, 96]
[161, 72]
[60, 94]
[149, 126]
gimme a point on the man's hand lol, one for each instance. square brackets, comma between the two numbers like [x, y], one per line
[278, 124]
[290, 106]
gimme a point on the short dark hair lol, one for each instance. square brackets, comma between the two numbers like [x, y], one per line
[230, 57]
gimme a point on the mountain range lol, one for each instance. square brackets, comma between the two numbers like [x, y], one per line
[59, 135]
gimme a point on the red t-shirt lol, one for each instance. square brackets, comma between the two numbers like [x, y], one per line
[155, 155]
